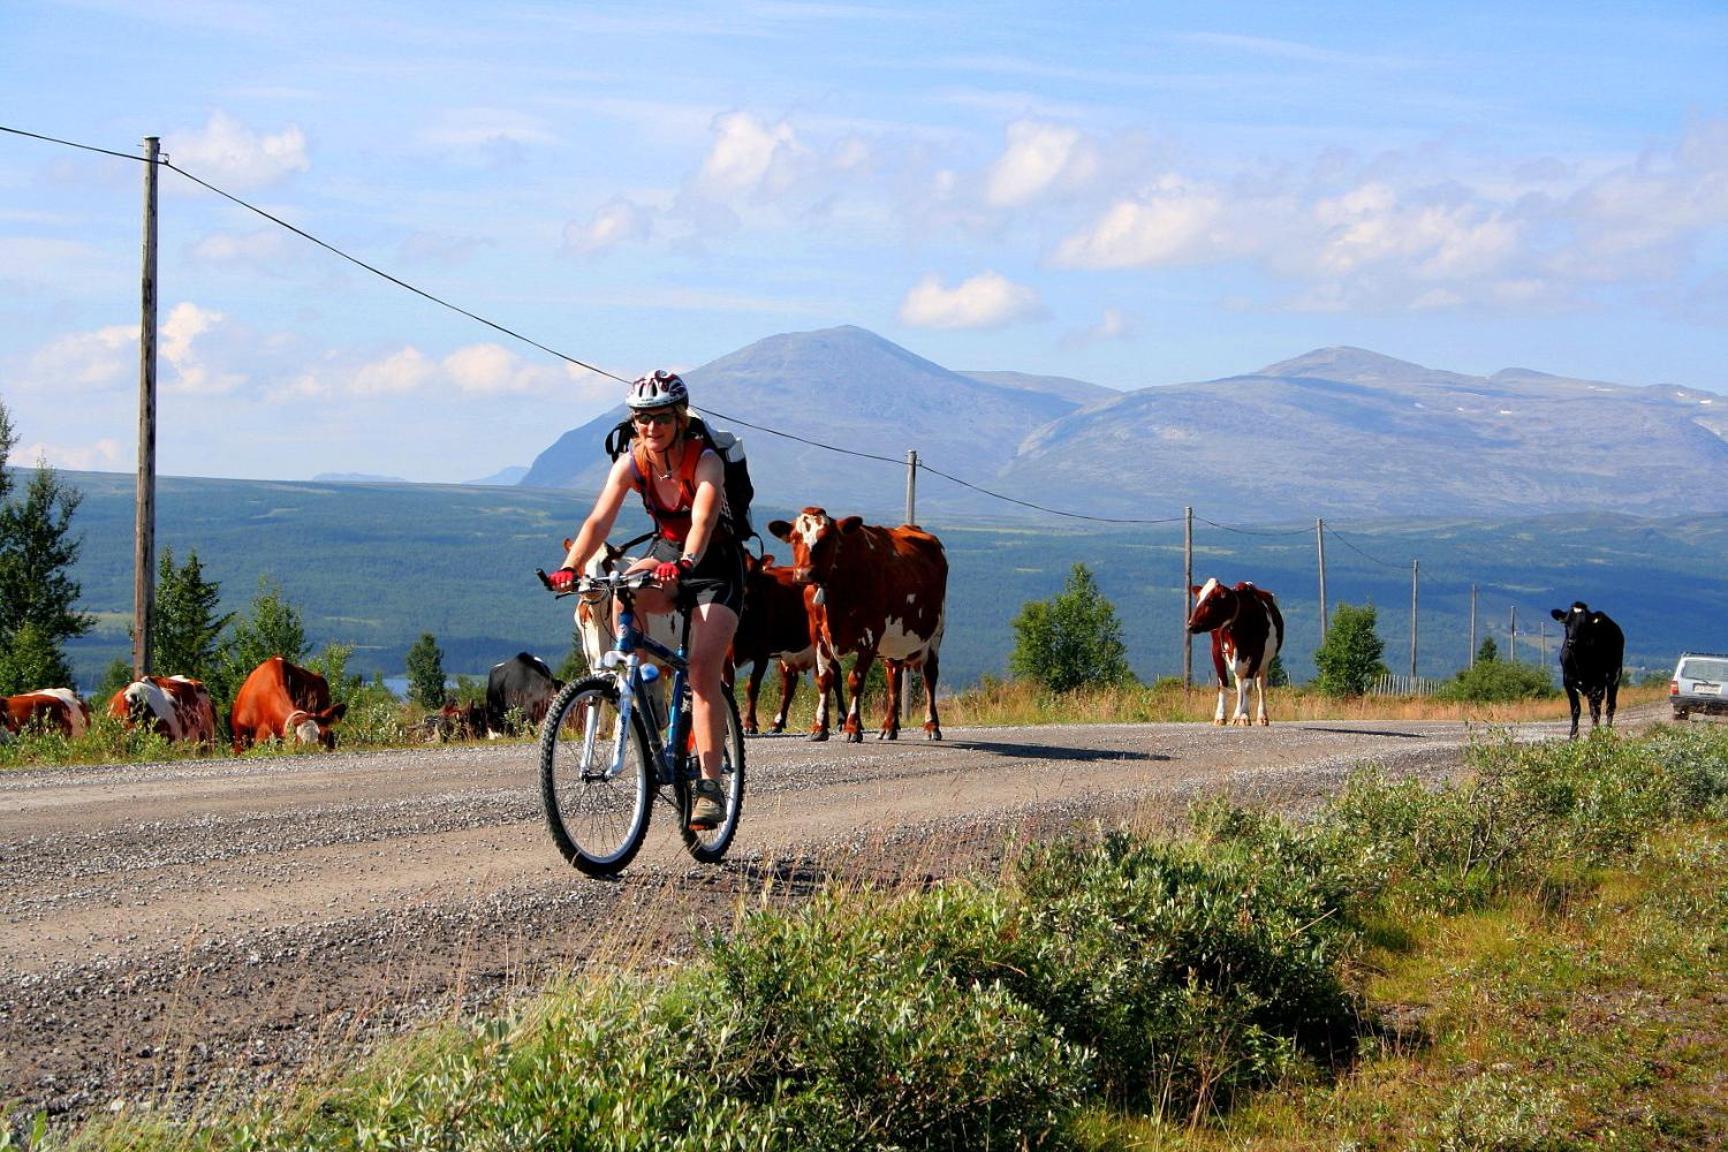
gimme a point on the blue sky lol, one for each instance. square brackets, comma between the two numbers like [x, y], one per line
[1132, 194]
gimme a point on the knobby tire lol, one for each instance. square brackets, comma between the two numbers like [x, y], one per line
[709, 845]
[598, 823]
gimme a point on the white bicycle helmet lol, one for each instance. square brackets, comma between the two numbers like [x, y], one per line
[661, 389]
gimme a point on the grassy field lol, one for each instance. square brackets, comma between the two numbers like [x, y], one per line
[1529, 958]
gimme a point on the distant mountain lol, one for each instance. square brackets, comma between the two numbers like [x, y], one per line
[1344, 431]
[355, 478]
[840, 386]
[1335, 432]
[502, 478]
[1077, 392]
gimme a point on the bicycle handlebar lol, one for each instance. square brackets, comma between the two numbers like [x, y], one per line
[625, 581]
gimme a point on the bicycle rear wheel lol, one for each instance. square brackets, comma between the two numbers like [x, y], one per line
[598, 819]
[709, 844]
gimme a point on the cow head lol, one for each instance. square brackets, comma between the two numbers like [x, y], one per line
[1214, 606]
[305, 727]
[815, 538]
[1580, 624]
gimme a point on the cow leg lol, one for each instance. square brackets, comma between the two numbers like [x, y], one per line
[1595, 707]
[932, 722]
[1218, 714]
[1260, 700]
[1572, 701]
[855, 684]
[895, 671]
[753, 688]
[1613, 698]
[788, 687]
[1243, 684]
[826, 667]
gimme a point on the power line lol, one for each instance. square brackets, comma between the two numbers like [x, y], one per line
[1345, 540]
[513, 334]
[1256, 531]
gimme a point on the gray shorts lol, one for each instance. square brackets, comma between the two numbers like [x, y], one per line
[724, 561]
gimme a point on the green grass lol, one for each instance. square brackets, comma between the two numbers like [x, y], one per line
[1530, 958]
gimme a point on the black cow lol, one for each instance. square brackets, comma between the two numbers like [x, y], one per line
[522, 683]
[1590, 659]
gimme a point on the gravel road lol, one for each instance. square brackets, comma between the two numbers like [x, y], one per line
[177, 930]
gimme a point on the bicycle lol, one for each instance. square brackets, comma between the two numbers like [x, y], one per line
[608, 748]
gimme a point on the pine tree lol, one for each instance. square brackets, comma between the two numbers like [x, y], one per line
[185, 626]
[1072, 640]
[1488, 652]
[426, 673]
[37, 593]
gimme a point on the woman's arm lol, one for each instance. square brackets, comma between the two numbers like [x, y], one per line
[704, 506]
[598, 526]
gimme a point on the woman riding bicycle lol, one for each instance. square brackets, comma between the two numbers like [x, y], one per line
[681, 481]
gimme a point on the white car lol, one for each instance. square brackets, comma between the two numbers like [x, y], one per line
[1700, 684]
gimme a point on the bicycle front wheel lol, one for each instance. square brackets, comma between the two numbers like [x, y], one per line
[597, 816]
[709, 845]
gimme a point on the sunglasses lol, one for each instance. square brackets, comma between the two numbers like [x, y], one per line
[653, 419]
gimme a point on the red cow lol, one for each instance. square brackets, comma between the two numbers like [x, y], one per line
[1247, 632]
[773, 628]
[57, 709]
[879, 591]
[177, 707]
[280, 701]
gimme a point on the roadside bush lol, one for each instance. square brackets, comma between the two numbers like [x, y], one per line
[1525, 813]
[1192, 973]
[1495, 681]
[890, 1025]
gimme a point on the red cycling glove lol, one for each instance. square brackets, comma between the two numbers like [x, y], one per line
[672, 570]
[563, 580]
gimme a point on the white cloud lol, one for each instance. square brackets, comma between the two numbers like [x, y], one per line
[241, 249]
[406, 371]
[749, 158]
[85, 361]
[1174, 222]
[616, 222]
[226, 152]
[181, 342]
[988, 300]
[1039, 159]
[486, 127]
[102, 456]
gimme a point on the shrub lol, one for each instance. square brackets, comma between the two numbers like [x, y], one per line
[1495, 681]
[1349, 657]
[1072, 640]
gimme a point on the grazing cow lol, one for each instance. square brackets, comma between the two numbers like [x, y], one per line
[880, 591]
[282, 701]
[1590, 659]
[47, 709]
[523, 684]
[177, 707]
[773, 628]
[454, 722]
[1247, 632]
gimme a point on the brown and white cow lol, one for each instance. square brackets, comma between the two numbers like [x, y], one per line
[1247, 632]
[283, 701]
[46, 709]
[774, 628]
[178, 708]
[880, 592]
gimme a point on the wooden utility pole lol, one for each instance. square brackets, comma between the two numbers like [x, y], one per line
[144, 536]
[1187, 602]
[1512, 636]
[1415, 577]
[1320, 550]
[1472, 658]
[911, 485]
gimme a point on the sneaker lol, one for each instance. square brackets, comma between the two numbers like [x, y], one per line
[708, 806]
